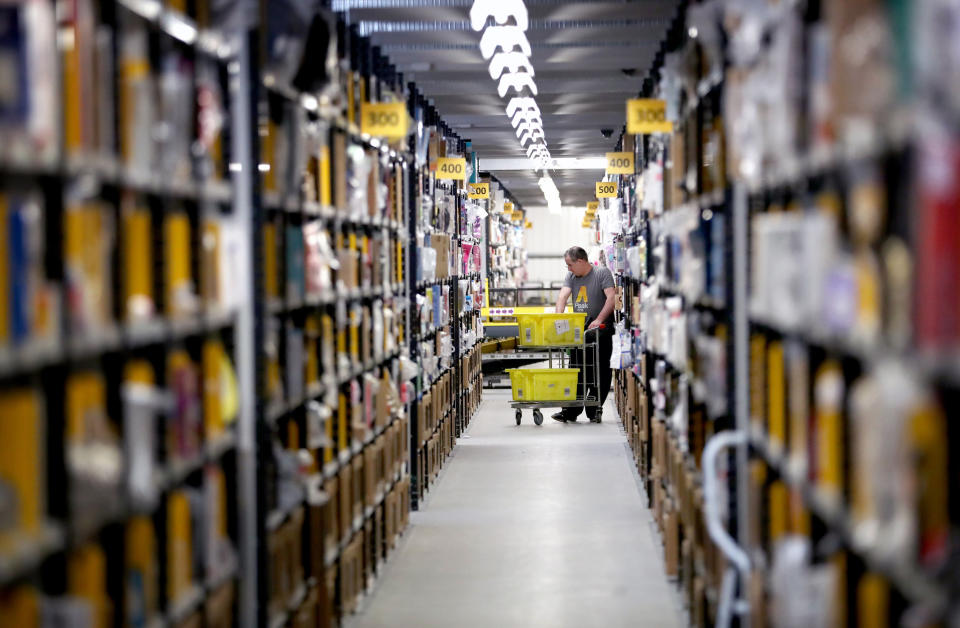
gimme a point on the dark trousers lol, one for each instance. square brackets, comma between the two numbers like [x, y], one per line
[586, 363]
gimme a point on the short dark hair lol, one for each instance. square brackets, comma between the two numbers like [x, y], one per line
[576, 252]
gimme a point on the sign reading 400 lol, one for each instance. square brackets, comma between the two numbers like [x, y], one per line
[452, 168]
[619, 163]
[606, 189]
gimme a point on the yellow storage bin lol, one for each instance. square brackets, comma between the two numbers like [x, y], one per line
[550, 330]
[544, 384]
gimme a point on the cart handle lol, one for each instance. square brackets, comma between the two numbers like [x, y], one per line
[597, 328]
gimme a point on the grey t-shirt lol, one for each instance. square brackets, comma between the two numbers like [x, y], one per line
[587, 291]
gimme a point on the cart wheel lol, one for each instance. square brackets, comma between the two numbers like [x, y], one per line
[519, 414]
[538, 417]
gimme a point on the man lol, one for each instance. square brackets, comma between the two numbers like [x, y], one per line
[594, 294]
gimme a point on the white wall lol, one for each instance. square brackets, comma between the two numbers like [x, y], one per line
[554, 234]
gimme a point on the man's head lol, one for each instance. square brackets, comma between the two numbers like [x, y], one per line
[577, 262]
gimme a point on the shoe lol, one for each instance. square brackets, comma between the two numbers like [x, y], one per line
[596, 418]
[559, 416]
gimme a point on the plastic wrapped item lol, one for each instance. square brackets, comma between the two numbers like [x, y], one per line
[173, 134]
[29, 127]
[408, 368]
[802, 594]
[428, 263]
[359, 168]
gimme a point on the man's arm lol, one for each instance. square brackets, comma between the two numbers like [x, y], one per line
[562, 299]
[604, 316]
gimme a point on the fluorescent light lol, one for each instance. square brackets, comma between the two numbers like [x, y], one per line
[513, 61]
[505, 38]
[501, 10]
[516, 80]
[522, 103]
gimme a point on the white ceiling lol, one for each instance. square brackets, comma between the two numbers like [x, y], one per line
[589, 57]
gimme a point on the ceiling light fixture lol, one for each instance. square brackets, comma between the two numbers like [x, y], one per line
[504, 43]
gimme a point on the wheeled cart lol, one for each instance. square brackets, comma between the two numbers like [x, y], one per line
[542, 380]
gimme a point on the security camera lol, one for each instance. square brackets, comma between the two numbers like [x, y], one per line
[606, 132]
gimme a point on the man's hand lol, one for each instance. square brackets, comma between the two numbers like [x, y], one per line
[595, 325]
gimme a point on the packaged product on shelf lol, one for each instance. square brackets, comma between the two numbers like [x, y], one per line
[181, 297]
[828, 468]
[29, 306]
[22, 466]
[140, 412]
[138, 109]
[311, 367]
[87, 583]
[295, 260]
[211, 122]
[221, 399]
[185, 422]
[937, 231]
[29, 127]
[271, 356]
[293, 363]
[141, 571]
[359, 169]
[176, 100]
[77, 27]
[180, 546]
[798, 408]
[220, 559]
[139, 299]
[94, 456]
[378, 337]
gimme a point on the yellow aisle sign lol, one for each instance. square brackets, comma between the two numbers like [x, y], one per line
[619, 163]
[452, 168]
[384, 119]
[606, 189]
[645, 115]
[478, 190]
[593, 206]
[508, 208]
[528, 225]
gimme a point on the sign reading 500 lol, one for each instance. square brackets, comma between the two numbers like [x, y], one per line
[606, 189]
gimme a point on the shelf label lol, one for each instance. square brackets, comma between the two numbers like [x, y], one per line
[508, 208]
[619, 163]
[478, 190]
[528, 225]
[606, 189]
[384, 119]
[647, 115]
[452, 168]
[593, 206]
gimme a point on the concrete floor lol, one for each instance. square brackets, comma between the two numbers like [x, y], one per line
[529, 526]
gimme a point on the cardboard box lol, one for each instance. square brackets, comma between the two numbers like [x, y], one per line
[327, 607]
[359, 490]
[390, 520]
[306, 615]
[331, 516]
[441, 244]
[671, 543]
[316, 544]
[378, 534]
[382, 411]
[370, 474]
[348, 595]
[345, 487]
[369, 553]
[218, 610]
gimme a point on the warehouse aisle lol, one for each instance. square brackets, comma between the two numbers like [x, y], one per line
[529, 526]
